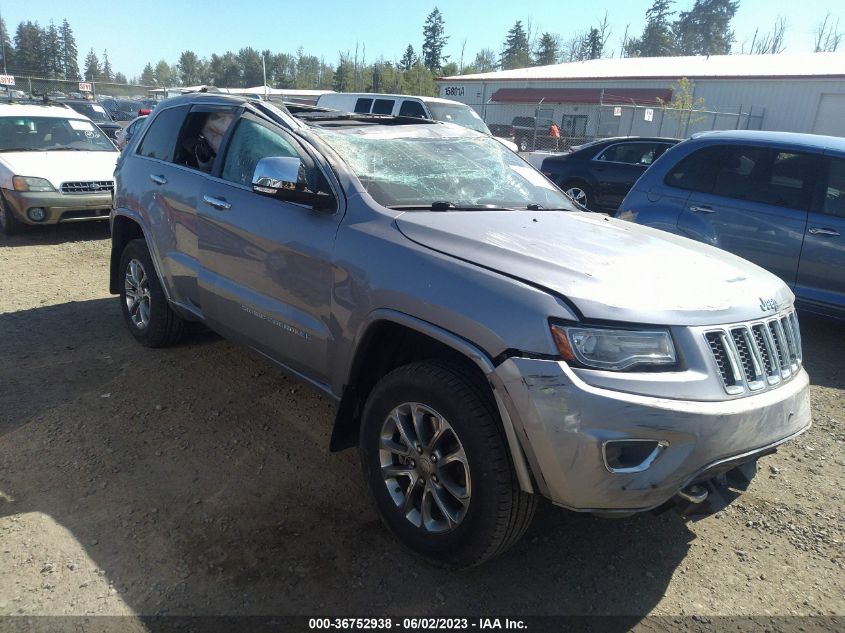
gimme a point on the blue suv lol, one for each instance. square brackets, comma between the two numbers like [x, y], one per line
[774, 198]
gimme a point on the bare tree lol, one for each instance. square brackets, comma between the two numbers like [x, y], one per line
[771, 42]
[463, 48]
[625, 41]
[605, 32]
[828, 35]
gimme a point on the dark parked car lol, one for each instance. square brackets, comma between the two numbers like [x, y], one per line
[98, 114]
[774, 198]
[122, 109]
[598, 175]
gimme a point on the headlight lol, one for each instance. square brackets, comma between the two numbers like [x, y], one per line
[30, 183]
[602, 348]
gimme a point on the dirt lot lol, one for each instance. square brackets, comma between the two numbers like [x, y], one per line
[197, 480]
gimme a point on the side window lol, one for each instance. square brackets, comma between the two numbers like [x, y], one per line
[630, 153]
[383, 106]
[413, 109]
[697, 171]
[362, 106]
[200, 137]
[160, 139]
[250, 143]
[767, 176]
[834, 197]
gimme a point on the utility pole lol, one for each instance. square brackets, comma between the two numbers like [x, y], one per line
[264, 72]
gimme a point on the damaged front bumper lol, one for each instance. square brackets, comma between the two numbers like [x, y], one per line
[570, 432]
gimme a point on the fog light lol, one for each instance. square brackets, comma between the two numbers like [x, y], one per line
[36, 214]
[631, 456]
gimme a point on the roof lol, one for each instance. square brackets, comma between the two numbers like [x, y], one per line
[380, 95]
[35, 110]
[672, 68]
[797, 139]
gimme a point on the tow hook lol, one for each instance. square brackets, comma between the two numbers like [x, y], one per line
[694, 494]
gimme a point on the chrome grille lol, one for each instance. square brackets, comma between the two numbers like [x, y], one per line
[88, 186]
[753, 356]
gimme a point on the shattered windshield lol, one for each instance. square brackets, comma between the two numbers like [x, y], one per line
[466, 171]
[459, 115]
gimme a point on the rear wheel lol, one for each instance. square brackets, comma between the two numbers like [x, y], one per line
[145, 308]
[579, 192]
[438, 466]
[9, 225]
[522, 142]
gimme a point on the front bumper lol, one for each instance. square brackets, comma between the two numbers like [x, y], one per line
[563, 423]
[59, 207]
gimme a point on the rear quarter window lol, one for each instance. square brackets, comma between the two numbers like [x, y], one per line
[160, 139]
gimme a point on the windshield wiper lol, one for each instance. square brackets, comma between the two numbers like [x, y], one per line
[65, 149]
[20, 149]
[450, 206]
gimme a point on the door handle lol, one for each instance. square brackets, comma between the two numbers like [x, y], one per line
[159, 180]
[818, 231]
[217, 203]
[697, 209]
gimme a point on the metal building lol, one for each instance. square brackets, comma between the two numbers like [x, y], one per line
[628, 96]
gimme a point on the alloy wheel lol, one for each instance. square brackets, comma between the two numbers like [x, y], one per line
[425, 468]
[137, 291]
[578, 195]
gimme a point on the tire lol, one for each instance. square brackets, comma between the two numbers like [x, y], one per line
[496, 512]
[151, 320]
[523, 143]
[9, 225]
[584, 198]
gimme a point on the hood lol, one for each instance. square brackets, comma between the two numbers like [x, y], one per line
[59, 167]
[610, 269]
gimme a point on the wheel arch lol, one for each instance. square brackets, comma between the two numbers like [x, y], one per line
[124, 229]
[389, 339]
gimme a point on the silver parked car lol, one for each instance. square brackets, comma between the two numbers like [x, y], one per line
[485, 342]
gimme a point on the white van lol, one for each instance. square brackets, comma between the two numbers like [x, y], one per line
[407, 105]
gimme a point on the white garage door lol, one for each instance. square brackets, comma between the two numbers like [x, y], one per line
[830, 118]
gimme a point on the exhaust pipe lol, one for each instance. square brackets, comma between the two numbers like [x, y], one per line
[694, 494]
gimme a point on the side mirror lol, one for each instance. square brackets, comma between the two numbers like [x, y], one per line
[283, 177]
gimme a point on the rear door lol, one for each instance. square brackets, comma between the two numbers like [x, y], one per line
[617, 168]
[757, 207]
[266, 275]
[821, 273]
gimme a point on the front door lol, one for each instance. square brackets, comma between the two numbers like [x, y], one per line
[757, 207]
[266, 274]
[619, 166]
[821, 272]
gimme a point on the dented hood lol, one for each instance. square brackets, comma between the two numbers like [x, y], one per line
[608, 268]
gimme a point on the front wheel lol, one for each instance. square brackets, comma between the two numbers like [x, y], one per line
[438, 467]
[580, 193]
[146, 311]
[9, 225]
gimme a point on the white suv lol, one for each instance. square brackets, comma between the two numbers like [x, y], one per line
[55, 166]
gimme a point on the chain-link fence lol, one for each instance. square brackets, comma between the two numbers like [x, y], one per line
[36, 87]
[530, 125]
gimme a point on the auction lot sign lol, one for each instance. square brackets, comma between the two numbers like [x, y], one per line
[84, 86]
[7, 80]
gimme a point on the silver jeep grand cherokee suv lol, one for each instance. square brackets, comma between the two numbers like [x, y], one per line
[485, 342]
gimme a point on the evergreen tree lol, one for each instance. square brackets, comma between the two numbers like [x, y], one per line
[189, 67]
[434, 40]
[106, 70]
[706, 28]
[547, 50]
[29, 54]
[120, 78]
[92, 66]
[164, 75]
[516, 52]
[592, 45]
[7, 51]
[51, 51]
[148, 75]
[70, 54]
[251, 73]
[657, 39]
[344, 76]
[408, 59]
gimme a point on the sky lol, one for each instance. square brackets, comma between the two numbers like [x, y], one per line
[135, 33]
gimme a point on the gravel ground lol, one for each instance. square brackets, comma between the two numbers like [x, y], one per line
[197, 480]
